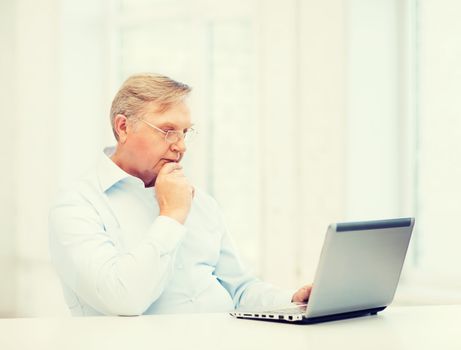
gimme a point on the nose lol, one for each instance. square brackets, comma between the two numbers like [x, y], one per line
[179, 146]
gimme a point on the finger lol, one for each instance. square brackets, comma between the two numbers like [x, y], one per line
[307, 292]
[169, 168]
[178, 173]
[178, 170]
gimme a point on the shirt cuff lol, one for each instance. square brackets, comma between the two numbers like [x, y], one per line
[166, 233]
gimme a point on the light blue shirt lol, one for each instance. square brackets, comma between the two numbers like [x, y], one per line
[115, 255]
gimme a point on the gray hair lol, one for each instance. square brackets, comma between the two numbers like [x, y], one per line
[140, 89]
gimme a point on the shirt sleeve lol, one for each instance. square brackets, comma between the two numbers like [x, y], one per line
[110, 281]
[246, 290]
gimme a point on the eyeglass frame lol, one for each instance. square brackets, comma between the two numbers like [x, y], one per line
[180, 135]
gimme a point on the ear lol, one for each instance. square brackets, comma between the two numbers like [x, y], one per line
[121, 126]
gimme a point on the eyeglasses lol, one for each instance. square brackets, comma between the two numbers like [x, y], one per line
[173, 136]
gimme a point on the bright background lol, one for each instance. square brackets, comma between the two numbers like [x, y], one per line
[309, 112]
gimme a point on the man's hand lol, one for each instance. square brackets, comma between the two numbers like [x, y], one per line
[302, 294]
[174, 192]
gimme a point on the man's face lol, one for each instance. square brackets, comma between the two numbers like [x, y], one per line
[146, 147]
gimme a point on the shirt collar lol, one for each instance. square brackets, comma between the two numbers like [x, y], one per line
[110, 173]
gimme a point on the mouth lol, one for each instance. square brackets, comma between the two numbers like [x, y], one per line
[174, 160]
[159, 165]
[166, 160]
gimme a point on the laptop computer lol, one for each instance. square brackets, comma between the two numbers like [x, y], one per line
[357, 275]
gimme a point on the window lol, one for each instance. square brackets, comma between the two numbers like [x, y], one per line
[403, 130]
[437, 53]
[265, 97]
[214, 51]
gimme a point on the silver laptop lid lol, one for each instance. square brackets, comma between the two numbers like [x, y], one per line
[360, 266]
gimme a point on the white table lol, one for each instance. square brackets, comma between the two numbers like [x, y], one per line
[429, 327]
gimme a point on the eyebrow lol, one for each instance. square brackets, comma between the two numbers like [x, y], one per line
[171, 125]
